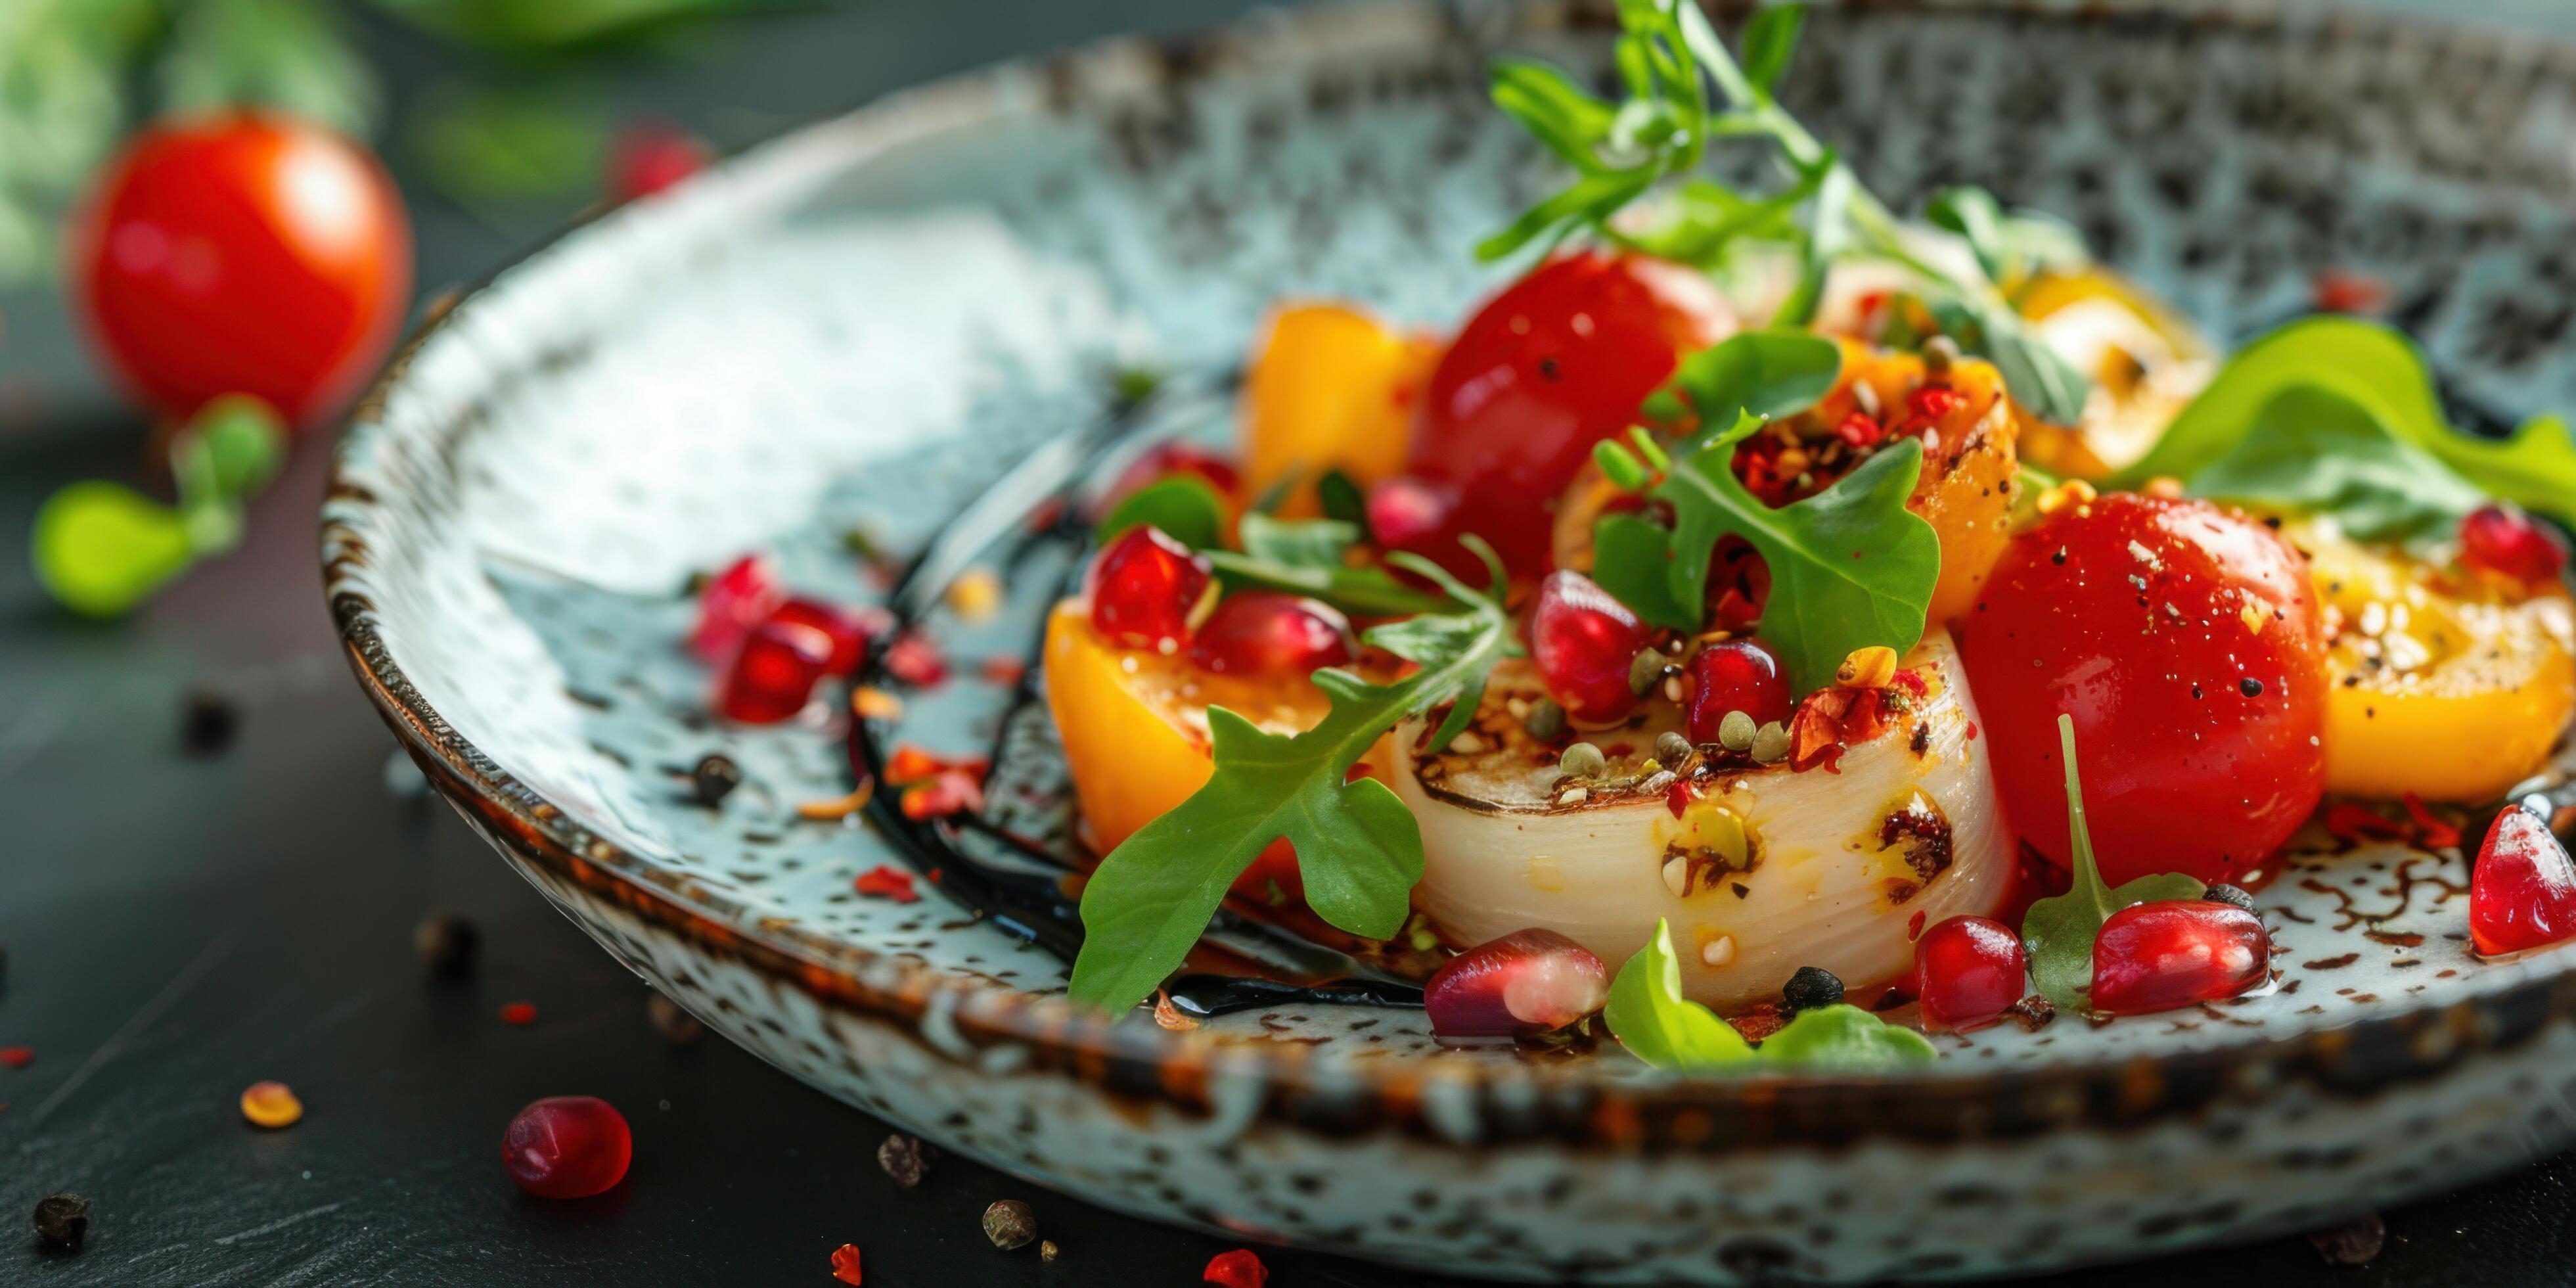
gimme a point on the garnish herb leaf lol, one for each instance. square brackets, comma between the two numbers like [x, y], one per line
[1341, 499]
[1310, 543]
[1629, 554]
[1359, 849]
[1764, 374]
[1650, 1017]
[2038, 375]
[2059, 930]
[1770, 39]
[1847, 1039]
[2383, 371]
[1186, 509]
[1308, 557]
[2317, 451]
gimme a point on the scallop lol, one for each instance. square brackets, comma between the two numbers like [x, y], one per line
[1760, 870]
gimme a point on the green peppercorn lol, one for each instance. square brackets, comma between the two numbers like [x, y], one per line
[1672, 748]
[1736, 732]
[1545, 721]
[1646, 668]
[1582, 760]
[1771, 743]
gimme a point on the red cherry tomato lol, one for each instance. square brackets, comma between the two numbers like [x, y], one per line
[243, 254]
[2187, 644]
[1556, 363]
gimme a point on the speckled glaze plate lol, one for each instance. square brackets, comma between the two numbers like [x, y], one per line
[882, 322]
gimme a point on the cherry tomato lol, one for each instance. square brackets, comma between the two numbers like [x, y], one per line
[1556, 363]
[243, 254]
[2187, 643]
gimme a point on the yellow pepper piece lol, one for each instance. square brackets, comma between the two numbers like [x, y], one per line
[1331, 388]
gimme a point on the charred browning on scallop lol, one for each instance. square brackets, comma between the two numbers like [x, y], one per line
[1918, 830]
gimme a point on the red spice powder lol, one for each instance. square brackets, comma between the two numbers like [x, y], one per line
[17, 1057]
[519, 1013]
[887, 882]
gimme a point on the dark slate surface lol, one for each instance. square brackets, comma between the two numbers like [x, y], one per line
[180, 926]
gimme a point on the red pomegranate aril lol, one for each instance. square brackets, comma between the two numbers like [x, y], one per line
[1527, 982]
[1967, 972]
[1405, 513]
[2522, 893]
[734, 604]
[1585, 643]
[567, 1147]
[2173, 953]
[1146, 590]
[848, 631]
[1737, 675]
[650, 156]
[1266, 632]
[773, 677]
[1237, 1268]
[2503, 539]
[1172, 460]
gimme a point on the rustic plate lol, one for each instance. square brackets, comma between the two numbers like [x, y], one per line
[884, 321]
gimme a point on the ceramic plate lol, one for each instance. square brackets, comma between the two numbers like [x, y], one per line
[907, 324]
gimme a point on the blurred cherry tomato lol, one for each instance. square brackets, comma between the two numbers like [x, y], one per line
[650, 156]
[2187, 643]
[243, 254]
[1556, 363]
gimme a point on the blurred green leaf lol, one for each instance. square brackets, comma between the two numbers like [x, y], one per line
[62, 68]
[102, 548]
[558, 26]
[290, 55]
[490, 145]
[244, 441]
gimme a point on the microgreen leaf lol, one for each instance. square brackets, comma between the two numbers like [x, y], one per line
[1985, 324]
[1297, 543]
[2059, 930]
[1185, 508]
[1770, 38]
[2383, 371]
[1359, 850]
[1311, 557]
[1765, 374]
[1847, 1039]
[1630, 555]
[101, 548]
[1650, 1017]
[2318, 451]
[1341, 499]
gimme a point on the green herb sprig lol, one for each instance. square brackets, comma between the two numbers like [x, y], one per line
[2059, 930]
[101, 549]
[1668, 59]
[1359, 850]
[1650, 1017]
[1302, 556]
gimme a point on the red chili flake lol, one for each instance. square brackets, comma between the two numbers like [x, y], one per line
[1870, 305]
[1859, 430]
[1913, 683]
[845, 1263]
[2359, 825]
[17, 1057]
[915, 661]
[1003, 672]
[1932, 402]
[1816, 730]
[885, 881]
[949, 793]
[1972, 731]
[911, 764]
[1914, 927]
[519, 1013]
[2431, 833]
[1679, 796]
[1236, 1269]
[1359, 769]
[2341, 292]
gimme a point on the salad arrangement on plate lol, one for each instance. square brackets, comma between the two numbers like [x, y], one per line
[1770, 627]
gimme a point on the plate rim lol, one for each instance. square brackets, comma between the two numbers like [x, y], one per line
[1203, 1074]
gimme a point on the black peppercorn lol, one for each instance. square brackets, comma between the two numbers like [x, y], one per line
[2354, 1244]
[2250, 687]
[62, 1221]
[677, 1027]
[2232, 896]
[713, 779]
[207, 723]
[905, 1159]
[447, 945]
[1812, 988]
[1010, 1224]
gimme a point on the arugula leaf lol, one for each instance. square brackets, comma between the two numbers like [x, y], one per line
[2059, 930]
[1185, 508]
[2315, 450]
[1650, 1017]
[1847, 1039]
[1986, 324]
[1308, 557]
[1629, 558]
[1766, 374]
[1341, 499]
[1359, 849]
[2380, 369]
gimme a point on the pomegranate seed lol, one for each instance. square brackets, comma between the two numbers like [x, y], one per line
[567, 1147]
[2503, 539]
[849, 632]
[2522, 893]
[2158, 956]
[17, 1057]
[944, 794]
[911, 763]
[733, 605]
[649, 156]
[1265, 632]
[1527, 982]
[1236, 1269]
[886, 882]
[1932, 402]
[1967, 970]
[773, 677]
[1858, 430]
[1737, 675]
[1146, 589]
[1171, 460]
[845, 1263]
[1584, 642]
[1406, 513]
[914, 660]
[519, 1013]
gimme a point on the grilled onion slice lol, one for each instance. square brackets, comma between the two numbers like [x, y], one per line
[1766, 871]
